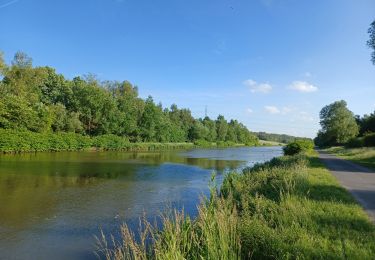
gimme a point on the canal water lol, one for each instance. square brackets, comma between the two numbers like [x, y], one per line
[52, 204]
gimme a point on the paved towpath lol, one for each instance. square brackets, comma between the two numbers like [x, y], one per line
[359, 180]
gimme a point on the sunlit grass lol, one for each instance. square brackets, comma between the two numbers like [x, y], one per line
[214, 234]
[288, 208]
[364, 155]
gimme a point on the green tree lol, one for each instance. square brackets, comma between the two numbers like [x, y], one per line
[130, 107]
[96, 106]
[39, 99]
[199, 131]
[17, 113]
[211, 126]
[221, 128]
[150, 119]
[22, 60]
[338, 124]
[366, 123]
[3, 65]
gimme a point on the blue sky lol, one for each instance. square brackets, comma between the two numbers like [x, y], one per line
[271, 64]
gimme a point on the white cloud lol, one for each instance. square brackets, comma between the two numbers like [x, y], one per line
[306, 117]
[257, 87]
[286, 110]
[276, 110]
[302, 86]
[249, 111]
[272, 110]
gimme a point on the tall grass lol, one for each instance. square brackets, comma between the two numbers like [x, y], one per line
[293, 208]
[214, 234]
[288, 208]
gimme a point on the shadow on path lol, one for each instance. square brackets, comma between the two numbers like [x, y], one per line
[359, 180]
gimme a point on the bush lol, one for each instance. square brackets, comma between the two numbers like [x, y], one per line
[111, 142]
[355, 143]
[298, 146]
[25, 141]
[369, 139]
[202, 143]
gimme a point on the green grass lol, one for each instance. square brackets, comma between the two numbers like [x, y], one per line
[293, 208]
[288, 208]
[364, 156]
[214, 234]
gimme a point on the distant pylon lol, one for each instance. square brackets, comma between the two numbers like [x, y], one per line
[205, 111]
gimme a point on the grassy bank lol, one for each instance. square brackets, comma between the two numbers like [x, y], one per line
[364, 156]
[15, 141]
[289, 208]
[269, 143]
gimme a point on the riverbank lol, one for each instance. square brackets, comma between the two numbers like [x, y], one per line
[290, 207]
[270, 143]
[364, 156]
[14, 141]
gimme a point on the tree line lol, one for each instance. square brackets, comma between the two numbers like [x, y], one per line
[280, 138]
[40, 100]
[341, 127]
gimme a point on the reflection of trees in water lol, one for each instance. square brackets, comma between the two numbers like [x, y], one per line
[31, 184]
[218, 165]
[25, 199]
[162, 157]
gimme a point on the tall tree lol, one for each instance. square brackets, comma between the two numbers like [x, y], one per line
[221, 128]
[338, 124]
[22, 60]
[41, 100]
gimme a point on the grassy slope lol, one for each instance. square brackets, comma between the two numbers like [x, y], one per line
[364, 155]
[294, 208]
[289, 208]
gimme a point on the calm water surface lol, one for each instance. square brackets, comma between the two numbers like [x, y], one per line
[52, 204]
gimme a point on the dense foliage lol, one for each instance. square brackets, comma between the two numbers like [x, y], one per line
[338, 125]
[14, 141]
[39, 100]
[366, 124]
[298, 146]
[371, 41]
[280, 138]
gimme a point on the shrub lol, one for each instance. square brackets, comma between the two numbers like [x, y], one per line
[355, 143]
[202, 143]
[25, 141]
[111, 142]
[369, 139]
[298, 146]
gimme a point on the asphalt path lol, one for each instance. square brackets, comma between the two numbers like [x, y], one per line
[358, 180]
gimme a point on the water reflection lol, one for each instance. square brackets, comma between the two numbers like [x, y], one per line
[52, 203]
